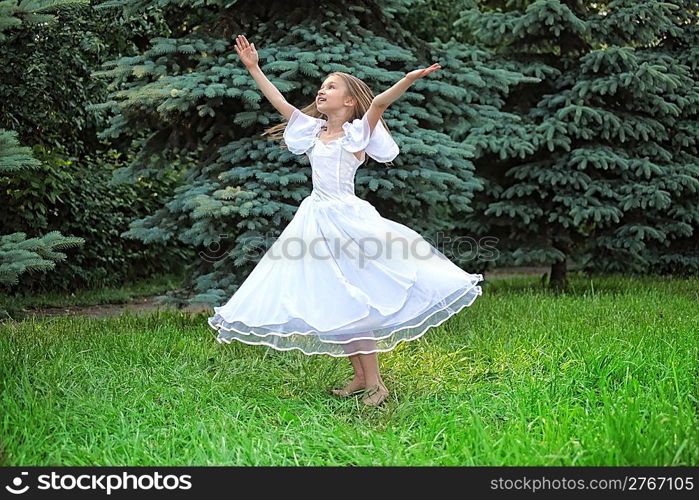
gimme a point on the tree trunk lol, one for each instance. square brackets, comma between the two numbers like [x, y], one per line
[559, 270]
[559, 278]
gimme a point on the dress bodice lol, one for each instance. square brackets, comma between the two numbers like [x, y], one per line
[333, 164]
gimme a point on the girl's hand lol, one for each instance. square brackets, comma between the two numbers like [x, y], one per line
[419, 73]
[246, 51]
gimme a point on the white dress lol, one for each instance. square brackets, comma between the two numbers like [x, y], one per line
[341, 279]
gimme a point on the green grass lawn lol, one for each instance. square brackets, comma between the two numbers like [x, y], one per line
[603, 375]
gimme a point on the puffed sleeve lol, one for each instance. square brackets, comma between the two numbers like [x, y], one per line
[300, 131]
[380, 145]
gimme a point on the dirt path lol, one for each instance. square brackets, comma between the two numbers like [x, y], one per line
[138, 305]
[141, 305]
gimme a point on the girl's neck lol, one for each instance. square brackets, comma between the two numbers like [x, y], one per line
[333, 124]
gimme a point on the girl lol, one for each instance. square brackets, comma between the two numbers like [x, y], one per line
[320, 288]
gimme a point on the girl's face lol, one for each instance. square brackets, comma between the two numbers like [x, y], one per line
[331, 96]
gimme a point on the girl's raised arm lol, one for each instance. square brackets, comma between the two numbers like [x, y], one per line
[248, 55]
[384, 99]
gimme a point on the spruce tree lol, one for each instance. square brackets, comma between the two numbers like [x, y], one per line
[241, 188]
[663, 236]
[604, 179]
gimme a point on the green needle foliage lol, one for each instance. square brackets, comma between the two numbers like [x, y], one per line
[610, 172]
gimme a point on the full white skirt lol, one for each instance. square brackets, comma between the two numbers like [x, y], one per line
[342, 280]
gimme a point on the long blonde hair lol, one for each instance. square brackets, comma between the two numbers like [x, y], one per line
[355, 88]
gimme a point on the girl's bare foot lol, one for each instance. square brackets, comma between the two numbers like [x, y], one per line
[375, 395]
[356, 384]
